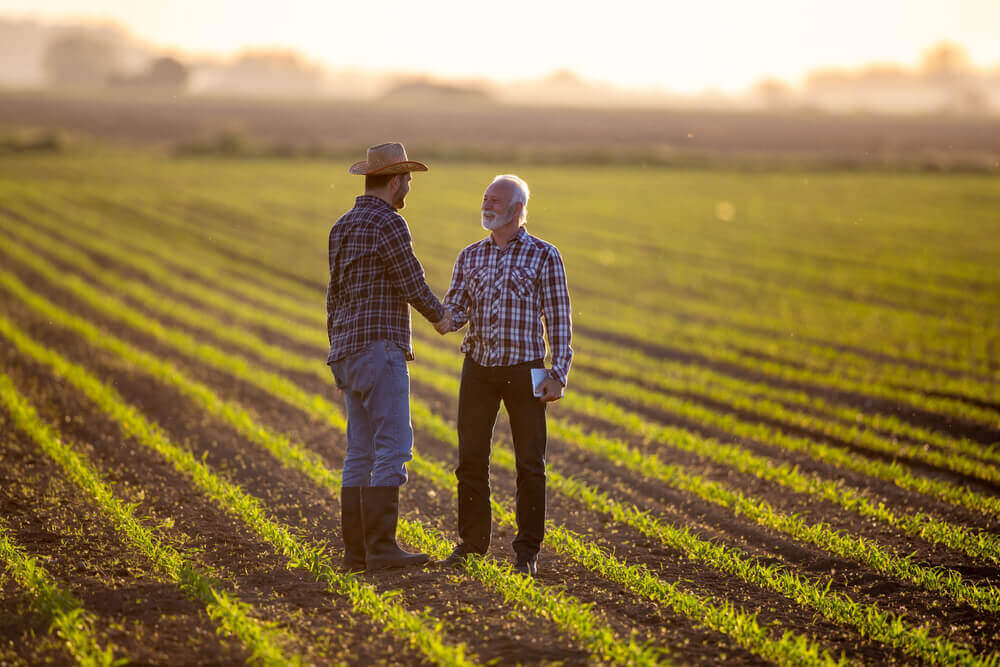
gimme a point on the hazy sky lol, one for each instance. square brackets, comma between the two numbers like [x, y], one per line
[686, 47]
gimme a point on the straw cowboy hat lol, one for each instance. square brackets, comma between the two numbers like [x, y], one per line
[386, 159]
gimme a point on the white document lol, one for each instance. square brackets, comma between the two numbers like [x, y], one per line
[538, 376]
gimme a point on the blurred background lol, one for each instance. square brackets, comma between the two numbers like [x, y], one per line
[849, 83]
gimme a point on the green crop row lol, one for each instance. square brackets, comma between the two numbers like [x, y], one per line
[892, 472]
[552, 604]
[419, 629]
[264, 239]
[868, 619]
[977, 544]
[651, 313]
[881, 627]
[283, 204]
[721, 343]
[291, 308]
[241, 420]
[743, 627]
[922, 525]
[928, 527]
[234, 617]
[690, 378]
[860, 549]
[840, 456]
[69, 620]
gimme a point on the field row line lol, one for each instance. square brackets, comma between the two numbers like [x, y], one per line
[692, 249]
[73, 624]
[420, 629]
[873, 622]
[294, 308]
[686, 249]
[979, 545]
[195, 224]
[893, 472]
[857, 548]
[724, 618]
[808, 353]
[689, 378]
[547, 603]
[234, 618]
[868, 619]
[696, 339]
[924, 324]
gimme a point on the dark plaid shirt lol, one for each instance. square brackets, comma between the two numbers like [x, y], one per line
[373, 276]
[505, 296]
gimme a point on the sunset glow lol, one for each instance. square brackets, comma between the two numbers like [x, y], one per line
[684, 47]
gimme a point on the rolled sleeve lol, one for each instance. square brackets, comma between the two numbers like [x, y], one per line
[557, 314]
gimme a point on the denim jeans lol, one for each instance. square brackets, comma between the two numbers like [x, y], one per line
[376, 386]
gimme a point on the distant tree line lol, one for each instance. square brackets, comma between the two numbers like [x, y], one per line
[82, 60]
[945, 81]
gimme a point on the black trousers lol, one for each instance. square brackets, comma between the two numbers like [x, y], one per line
[479, 399]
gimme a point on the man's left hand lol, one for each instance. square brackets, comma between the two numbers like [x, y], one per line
[551, 390]
[443, 325]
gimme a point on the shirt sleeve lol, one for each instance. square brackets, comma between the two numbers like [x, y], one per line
[556, 314]
[405, 271]
[329, 290]
[457, 300]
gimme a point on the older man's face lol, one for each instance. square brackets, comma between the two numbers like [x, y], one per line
[496, 207]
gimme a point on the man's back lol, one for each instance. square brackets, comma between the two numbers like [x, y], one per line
[373, 275]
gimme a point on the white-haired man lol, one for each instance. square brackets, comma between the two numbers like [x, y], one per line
[506, 287]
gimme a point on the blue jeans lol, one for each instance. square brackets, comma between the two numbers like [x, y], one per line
[376, 386]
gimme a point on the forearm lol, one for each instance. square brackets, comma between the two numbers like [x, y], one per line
[562, 359]
[427, 304]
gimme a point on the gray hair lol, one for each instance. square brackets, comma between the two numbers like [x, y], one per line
[521, 193]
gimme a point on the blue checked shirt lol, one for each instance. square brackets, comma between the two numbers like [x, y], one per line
[506, 296]
[373, 276]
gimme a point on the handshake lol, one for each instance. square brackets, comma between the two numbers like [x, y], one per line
[443, 325]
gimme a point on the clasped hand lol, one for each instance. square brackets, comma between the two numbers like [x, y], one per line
[443, 325]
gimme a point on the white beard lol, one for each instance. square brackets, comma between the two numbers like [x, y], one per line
[495, 222]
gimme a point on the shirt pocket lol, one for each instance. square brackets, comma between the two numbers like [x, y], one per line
[480, 280]
[522, 283]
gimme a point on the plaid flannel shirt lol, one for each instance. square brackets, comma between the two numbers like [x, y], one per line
[506, 296]
[373, 276]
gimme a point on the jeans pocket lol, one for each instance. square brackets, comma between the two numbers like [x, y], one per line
[395, 355]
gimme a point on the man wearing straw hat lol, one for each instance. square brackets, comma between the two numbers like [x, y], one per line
[374, 277]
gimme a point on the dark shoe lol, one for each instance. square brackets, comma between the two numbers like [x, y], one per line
[352, 528]
[456, 559]
[380, 508]
[526, 566]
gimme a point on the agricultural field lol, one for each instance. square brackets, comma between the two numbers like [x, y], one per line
[780, 442]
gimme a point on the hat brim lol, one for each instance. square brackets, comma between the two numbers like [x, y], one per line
[361, 168]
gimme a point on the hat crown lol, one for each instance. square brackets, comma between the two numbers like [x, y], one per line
[388, 158]
[383, 155]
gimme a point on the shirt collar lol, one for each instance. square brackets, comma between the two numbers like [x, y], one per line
[518, 237]
[371, 201]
